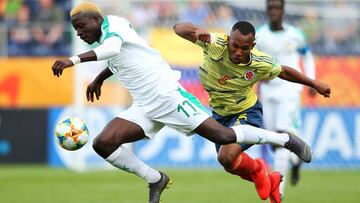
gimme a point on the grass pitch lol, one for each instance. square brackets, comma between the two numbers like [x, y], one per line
[41, 184]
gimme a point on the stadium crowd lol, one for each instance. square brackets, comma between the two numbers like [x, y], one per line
[25, 24]
[29, 29]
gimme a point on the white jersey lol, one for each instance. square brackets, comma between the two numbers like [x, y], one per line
[140, 68]
[287, 47]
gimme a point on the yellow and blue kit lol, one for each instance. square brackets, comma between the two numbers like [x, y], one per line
[229, 85]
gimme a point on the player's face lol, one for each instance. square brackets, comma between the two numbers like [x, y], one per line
[240, 47]
[275, 11]
[88, 28]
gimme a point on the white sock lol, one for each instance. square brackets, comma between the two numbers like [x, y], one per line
[281, 162]
[124, 159]
[253, 135]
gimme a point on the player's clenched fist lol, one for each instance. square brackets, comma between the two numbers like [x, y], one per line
[203, 35]
[60, 65]
[323, 89]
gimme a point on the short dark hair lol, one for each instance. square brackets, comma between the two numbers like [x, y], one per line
[244, 28]
[281, 1]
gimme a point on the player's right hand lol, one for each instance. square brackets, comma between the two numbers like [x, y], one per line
[60, 65]
[203, 35]
[93, 88]
[323, 89]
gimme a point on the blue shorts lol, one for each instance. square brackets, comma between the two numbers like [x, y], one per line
[252, 116]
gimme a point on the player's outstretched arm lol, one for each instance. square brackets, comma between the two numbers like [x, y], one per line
[192, 32]
[292, 75]
[94, 88]
[60, 65]
[110, 48]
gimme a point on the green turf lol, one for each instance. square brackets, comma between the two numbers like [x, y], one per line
[40, 184]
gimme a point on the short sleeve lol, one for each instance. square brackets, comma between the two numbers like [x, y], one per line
[274, 71]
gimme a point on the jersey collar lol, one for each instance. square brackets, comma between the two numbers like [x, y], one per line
[104, 27]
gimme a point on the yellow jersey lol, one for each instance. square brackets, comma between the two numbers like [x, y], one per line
[230, 85]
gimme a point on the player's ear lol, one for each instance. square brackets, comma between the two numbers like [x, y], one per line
[253, 44]
[98, 19]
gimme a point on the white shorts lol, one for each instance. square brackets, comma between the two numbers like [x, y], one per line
[185, 114]
[282, 115]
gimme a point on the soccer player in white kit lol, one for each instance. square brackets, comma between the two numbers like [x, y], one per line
[158, 98]
[281, 99]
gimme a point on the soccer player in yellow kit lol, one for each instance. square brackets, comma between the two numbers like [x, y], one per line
[231, 66]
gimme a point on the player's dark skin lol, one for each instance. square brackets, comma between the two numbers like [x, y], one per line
[120, 131]
[239, 47]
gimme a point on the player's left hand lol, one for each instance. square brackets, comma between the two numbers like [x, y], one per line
[60, 65]
[323, 89]
[93, 88]
[203, 35]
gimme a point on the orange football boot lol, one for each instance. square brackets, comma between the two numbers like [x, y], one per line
[275, 179]
[261, 180]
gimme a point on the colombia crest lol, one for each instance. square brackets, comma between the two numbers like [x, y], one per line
[249, 75]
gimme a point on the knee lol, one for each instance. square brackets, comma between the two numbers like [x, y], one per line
[226, 159]
[99, 145]
[104, 146]
[223, 160]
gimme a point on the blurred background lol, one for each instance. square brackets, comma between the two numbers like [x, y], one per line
[34, 33]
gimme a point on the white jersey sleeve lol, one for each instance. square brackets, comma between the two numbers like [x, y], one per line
[110, 48]
[140, 68]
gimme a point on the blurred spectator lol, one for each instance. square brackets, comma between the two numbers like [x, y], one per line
[2, 9]
[49, 28]
[10, 9]
[141, 16]
[168, 14]
[224, 18]
[197, 13]
[20, 39]
[341, 25]
[311, 25]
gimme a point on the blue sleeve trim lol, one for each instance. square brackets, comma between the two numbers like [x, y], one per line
[303, 50]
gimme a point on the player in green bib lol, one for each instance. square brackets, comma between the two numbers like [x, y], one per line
[230, 68]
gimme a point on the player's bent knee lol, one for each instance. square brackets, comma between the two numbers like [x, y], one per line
[225, 160]
[103, 147]
[97, 146]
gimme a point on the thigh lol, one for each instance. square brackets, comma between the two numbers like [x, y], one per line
[135, 115]
[117, 132]
[188, 114]
[252, 116]
[227, 121]
[129, 126]
[120, 131]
